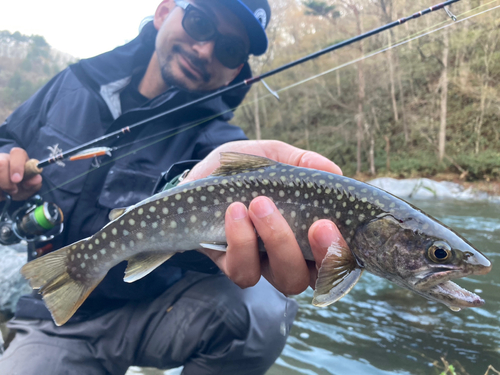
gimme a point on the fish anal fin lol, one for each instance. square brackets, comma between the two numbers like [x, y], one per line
[116, 213]
[143, 264]
[235, 162]
[62, 294]
[214, 246]
[337, 275]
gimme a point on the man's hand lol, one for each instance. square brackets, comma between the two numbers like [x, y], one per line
[283, 265]
[12, 173]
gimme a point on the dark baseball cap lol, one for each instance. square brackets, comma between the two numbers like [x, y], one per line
[255, 15]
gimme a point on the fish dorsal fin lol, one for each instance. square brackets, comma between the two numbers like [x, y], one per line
[337, 275]
[142, 264]
[235, 162]
[116, 213]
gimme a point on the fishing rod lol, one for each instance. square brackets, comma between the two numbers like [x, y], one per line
[34, 166]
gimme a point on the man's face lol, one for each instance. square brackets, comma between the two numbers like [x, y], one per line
[189, 64]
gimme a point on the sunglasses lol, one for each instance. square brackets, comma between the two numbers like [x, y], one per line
[229, 50]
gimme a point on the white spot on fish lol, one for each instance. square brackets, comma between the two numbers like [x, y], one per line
[218, 214]
[348, 221]
[337, 214]
[281, 193]
[140, 211]
[114, 231]
[210, 189]
[112, 244]
[193, 219]
[131, 243]
[131, 221]
[126, 232]
[82, 265]
[103, 235]
[190, 200]
[255, 194]
[94, 256]
[293, 214]
[326, 210]
[103, 251]
[180, 210]
[203, 198]
[139, 235]
[173, 224]
[222, 191]
[91, 247]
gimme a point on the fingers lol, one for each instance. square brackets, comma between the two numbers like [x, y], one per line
[285, 267]
[6, 184]
[322, 234]
[243, 259]
[18, 158]
[12, 173]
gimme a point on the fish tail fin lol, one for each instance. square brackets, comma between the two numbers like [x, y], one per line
[337, 275]
[62, 294]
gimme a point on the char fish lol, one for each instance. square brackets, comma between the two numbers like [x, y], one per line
[385, 235]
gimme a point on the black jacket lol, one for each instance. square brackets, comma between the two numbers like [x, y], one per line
[82, 103]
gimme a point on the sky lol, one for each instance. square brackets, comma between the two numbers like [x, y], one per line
[79, 28]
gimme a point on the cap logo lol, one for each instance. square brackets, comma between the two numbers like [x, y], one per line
[261, 15]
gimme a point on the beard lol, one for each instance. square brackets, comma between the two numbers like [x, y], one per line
[172, 80]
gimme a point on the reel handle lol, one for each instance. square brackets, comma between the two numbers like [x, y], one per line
[31, 169]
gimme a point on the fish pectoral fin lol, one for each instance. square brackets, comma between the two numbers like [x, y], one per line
[116, 213]
[337, 275]
[219, 246]
[62, 294]
[235, 162]
[143, 264]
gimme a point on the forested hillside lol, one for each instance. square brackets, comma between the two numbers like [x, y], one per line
[26, 63]
[427, 106]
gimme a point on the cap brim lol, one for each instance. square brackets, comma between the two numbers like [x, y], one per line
[255, 31]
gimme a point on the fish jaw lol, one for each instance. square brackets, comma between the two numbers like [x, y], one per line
[453, 296]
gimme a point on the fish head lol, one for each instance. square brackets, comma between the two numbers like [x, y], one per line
[420, 254]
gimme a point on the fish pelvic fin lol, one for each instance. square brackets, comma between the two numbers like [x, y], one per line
[337, 275]
[143, 264]
[62, 294]
[235, 162]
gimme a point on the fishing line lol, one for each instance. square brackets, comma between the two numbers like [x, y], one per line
[183, 128]
[375, 53]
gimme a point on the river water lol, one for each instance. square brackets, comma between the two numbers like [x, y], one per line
[381, 329]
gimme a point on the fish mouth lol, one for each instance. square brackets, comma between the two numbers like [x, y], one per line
[438, 286]
[454, 296]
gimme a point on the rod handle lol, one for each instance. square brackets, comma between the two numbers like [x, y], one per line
[31, 169]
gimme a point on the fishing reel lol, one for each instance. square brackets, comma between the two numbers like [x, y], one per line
[31, 222]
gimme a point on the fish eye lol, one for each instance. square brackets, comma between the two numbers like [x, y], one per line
[439, 252]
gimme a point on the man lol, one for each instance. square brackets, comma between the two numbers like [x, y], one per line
[174, 316]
